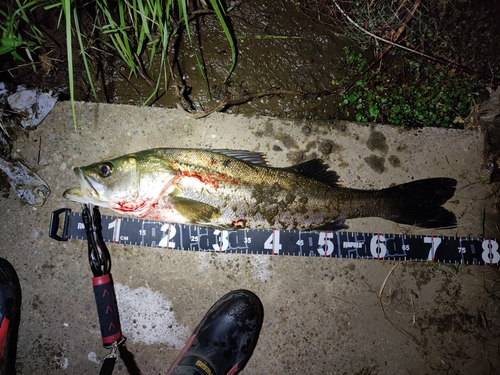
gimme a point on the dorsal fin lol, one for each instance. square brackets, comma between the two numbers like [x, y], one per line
[253, 157]
[317, 170]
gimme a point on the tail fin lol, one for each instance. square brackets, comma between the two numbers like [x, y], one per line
[420, 203]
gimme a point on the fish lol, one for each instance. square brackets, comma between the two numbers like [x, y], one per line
[234, 189]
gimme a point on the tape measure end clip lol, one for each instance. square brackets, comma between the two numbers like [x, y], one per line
[55, 222]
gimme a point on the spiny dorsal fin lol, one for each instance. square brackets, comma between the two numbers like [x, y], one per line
[317, 170]
[253, 157]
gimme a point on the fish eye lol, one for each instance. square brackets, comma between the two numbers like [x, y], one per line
[105, 169]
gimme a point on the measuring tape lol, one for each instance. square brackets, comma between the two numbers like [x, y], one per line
[352, 245]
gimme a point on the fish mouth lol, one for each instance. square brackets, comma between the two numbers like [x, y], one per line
[90, 190]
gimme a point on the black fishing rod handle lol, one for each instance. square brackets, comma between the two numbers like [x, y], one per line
[104, 293]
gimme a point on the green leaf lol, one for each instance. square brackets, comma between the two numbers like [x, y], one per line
[374, 110]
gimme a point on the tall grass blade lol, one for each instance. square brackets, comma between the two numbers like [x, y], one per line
[66, 6]
[165, 38]
[83, 52]
[123, 31]
[118, 36]
[183, 14]
[219, 11]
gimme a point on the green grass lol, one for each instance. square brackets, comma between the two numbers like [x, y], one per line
[147, 28]
[12, 40]
[416, 93]
[139, 32]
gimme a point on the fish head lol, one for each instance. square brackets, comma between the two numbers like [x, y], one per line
[129, 184]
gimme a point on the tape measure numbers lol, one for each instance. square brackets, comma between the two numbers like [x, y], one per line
[353, 245]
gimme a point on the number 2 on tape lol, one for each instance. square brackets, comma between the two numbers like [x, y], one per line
[169, 233]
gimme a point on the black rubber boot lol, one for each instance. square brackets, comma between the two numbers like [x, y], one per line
[225, 339]
[10, 314]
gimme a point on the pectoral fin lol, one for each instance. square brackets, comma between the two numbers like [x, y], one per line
[196, 212]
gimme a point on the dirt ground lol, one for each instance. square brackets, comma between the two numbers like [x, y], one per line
[322, 316]
[293, 46]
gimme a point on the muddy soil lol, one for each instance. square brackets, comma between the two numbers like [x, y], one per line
[293, 49]
[279, 48]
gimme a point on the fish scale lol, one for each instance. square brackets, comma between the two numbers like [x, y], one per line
[65, 225]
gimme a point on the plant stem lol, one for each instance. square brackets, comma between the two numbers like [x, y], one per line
[69, 50]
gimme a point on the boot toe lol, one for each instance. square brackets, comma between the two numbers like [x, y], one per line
[225, 339]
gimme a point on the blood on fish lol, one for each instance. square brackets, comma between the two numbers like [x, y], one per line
[199, 177]
[240, 223]
[209, 178]
[125, 206]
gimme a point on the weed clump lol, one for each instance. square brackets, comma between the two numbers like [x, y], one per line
[409, 93]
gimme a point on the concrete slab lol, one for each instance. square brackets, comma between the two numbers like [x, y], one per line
[328, 316]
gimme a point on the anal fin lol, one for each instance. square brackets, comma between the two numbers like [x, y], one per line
[334, 226]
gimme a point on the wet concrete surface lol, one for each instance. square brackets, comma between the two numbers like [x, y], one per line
[322, 316]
